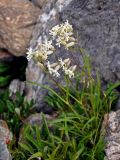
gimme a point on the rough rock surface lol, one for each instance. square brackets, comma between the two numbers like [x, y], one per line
[16, 86]
[97, 24]
[40, 3]
[4, 139]
[113, 136]
[4, 153]
[17, 21]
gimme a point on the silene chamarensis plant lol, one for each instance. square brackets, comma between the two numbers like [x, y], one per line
[78, 130]
[62, 35]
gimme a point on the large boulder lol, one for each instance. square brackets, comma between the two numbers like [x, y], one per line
[17, 21]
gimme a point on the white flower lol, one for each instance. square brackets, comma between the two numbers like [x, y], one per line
[61, 62]
[30, 54]
[43, 50]
[68, 27]
[63, 34]
[53, 70]
[55, 30]
[70, 71]
[48, 47]
[40, 56]
[64, 63]
[69, 45]
[73, 68]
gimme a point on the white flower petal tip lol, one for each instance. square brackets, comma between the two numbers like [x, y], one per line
[30, 54]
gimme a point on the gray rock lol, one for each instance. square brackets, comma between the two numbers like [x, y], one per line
[4, 153]
[112, 136]
[97, 25]
[5, 137]
[16, 86]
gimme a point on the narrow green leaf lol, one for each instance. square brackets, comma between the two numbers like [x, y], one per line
[35, 155]
[113, 86]
[10, 106]
[26, 147]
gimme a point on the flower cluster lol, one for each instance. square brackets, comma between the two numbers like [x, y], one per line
[53, 69]
[68, 70]
[42, 51]
[63, 35]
